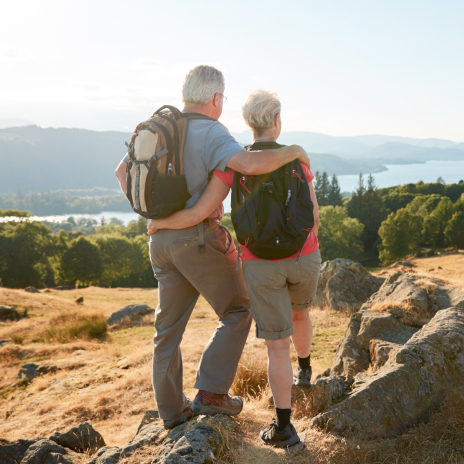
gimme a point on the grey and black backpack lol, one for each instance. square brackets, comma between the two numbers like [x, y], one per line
[156, 185]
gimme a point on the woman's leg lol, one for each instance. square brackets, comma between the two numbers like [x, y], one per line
[280, 372]
[303, 335]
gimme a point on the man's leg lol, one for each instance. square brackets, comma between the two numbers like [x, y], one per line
[177, 298]
[214, 275]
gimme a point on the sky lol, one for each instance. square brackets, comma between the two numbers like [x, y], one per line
[340, 67]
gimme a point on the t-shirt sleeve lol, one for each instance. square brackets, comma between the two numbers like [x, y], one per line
[220, 147]
[309, 175]
[226, 177]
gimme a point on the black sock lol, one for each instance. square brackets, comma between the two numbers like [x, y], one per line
[283, 418]
[304, 363]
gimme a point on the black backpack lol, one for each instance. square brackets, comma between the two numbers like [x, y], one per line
[156, 185]
[272, 213]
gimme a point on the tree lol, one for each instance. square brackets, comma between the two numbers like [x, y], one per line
[400, 234]
[454, 232]
[367, 206]
[24, 250]
[339, 236]
[120, 258]
[82, 262]
[433, 232]
[335, 197]
[322, 188]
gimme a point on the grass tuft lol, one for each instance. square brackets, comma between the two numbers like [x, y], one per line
[251, 378]
[67, 327]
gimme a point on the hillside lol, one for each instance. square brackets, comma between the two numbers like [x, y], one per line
[40, 160]
[107, 381]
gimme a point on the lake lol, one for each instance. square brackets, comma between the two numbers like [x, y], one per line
[451, 171]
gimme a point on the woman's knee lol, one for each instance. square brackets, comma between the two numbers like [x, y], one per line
[282, 344]
[300, 315]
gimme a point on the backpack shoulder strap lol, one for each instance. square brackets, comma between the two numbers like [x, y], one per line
[176, 113]
[198, 116]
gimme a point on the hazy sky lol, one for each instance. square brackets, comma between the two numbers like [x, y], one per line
[340, 67]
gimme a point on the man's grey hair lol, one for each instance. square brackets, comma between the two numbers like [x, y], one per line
[201, 83]
[260, 109]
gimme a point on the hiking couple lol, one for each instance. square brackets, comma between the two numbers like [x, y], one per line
[192, 254]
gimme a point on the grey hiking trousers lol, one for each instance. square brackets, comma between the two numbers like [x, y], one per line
[183, 274]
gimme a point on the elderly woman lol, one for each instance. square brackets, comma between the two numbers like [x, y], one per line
[280, 291]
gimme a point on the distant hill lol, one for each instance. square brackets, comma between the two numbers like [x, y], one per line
[14, 122]
[34, 159]
[354, 147]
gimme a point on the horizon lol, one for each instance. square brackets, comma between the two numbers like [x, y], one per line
[340, 69]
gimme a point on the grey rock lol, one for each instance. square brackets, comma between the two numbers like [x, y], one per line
[80, 300]
[350, 358]
[54, 458]
[8, 312]
[12, 452]
[329, 391]
[184, 441]
[200, 445]
[130, 311]
[381, 351]
[28, 371]
[31, 289]
[106, 455]
[408, 387]
[345, 284]
[37, 453]
[151, 415]
[148, 435]
[4, 342]
[82, 439]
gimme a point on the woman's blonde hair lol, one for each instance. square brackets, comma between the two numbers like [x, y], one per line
[260, 109]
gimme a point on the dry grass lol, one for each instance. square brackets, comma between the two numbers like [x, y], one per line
[115, 398]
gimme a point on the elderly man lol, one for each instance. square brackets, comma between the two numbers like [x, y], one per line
[183, 273]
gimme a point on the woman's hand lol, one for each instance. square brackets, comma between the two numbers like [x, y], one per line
[152, 226]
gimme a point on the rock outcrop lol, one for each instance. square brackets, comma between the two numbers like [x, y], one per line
[8, 312]
[12, 452]
[82, 439]
[46, 451]
[345, 284]
[31, 289]
[408, 387]
[131, 312]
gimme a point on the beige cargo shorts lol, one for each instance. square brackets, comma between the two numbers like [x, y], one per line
[276, 288]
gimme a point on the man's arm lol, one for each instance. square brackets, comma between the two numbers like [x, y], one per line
[316, 208]
[264, 161]
[121, 175]
[212, 197]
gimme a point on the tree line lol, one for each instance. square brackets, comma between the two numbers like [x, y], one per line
[384, 224]
[74, 253]
[389, 223]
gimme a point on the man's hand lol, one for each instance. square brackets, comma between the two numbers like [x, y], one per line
[303, 158]
[152, 226]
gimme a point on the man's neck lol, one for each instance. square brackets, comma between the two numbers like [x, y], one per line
[201, 109]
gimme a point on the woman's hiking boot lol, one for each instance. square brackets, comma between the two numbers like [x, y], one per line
[184, 416]
[302, 377]
[208, 404]
[273, 436]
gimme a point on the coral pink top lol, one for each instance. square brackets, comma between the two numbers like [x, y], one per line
[311, 244]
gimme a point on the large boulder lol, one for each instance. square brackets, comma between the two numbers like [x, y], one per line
[408, 387]
[345, 284]
[82, 439]
[48, 452]
[28, 371]
[8, 312]
[131, 311]
[12, 452]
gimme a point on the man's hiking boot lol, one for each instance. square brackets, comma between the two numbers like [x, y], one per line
[208, 404]
[302, 377]
[184, 416]
[272, 436]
